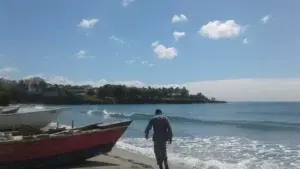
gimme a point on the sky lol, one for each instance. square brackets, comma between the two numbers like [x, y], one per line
[233, 50]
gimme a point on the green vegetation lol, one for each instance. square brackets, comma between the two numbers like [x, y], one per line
[36, 90]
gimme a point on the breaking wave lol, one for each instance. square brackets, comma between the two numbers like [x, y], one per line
[257, 125]
[220, 153]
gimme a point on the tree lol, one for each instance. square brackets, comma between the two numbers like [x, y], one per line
[42, 85]
[107, 94]
[105, 91]
[4, 98]
[120, 92]
[177, 92]
[22, 85]
[91, 92]
[184, 92]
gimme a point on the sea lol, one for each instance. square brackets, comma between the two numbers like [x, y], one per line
[236, 135]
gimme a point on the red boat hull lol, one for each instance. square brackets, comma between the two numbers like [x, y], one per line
[60, 150]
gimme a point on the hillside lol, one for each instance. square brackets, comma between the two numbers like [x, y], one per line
[40, 92]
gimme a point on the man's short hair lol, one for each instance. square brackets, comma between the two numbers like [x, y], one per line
[158, 111]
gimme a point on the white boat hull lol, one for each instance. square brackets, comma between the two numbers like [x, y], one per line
[38, 118]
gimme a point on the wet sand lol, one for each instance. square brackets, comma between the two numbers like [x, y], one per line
[120, 159]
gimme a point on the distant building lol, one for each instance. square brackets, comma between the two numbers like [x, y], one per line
[33, 85]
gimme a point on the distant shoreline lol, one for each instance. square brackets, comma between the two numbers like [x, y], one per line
[37, 91]
[52, 101]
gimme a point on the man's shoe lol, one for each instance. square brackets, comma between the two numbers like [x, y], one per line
[166, 166]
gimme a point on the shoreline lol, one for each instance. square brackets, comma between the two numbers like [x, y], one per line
[37, 91]
[120, 158]
[40, 103]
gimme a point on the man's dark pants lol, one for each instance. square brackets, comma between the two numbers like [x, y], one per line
[160, 150]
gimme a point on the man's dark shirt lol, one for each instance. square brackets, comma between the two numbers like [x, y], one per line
[161, 127]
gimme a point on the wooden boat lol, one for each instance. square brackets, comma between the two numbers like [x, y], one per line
[9, 110]
[38, 118]
[59, 147]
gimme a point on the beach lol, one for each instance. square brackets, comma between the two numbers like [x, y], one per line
[119, 159]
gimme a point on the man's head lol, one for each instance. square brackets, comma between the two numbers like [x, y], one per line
[158, 112]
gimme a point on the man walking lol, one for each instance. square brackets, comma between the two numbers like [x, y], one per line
[162, 133]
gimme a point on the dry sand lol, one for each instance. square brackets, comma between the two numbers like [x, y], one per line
[120, 159]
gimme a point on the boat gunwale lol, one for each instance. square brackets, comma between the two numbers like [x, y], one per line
[68, 133]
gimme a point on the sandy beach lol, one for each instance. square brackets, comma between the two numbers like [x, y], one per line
[119, 159]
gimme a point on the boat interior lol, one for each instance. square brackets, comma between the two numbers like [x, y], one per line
[28, 132]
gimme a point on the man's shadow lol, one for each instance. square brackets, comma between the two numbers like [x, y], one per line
[86, 164]
[82, 164]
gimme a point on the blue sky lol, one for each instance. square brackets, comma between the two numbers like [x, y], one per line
[74, 41]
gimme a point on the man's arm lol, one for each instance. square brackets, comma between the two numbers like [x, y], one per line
[148, 128]
[169, 129]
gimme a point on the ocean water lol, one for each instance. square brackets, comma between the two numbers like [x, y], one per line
[247, 135]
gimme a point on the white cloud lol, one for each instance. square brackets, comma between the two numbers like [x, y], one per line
[65, 81]
[218, 29]
[178, 35]
[8, 70]
[83, 54]
[125, 3]
[250, 89]
[41, 75]
[87, 23]
[265, 19]
[53, 79]
[116, 39]
[154, 44]
[229, 90]
[179, 18]
[144, 62]
[135, 83]
[164, 52]
[129, 61]
[245, 41]
[132, 60]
